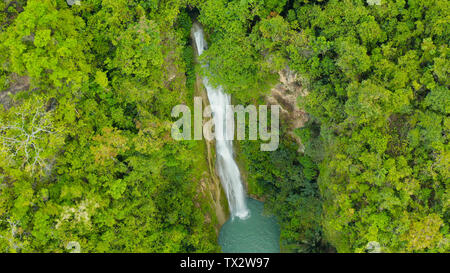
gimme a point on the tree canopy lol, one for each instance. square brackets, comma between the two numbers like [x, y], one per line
[87, 90]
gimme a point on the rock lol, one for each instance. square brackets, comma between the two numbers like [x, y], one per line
[285, 94]
[17, 84]
[73, 2]
[374, 2]
[373, 247]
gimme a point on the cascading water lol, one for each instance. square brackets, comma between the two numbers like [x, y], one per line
[227, 168]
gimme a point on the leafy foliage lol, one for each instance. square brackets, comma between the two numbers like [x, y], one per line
[378, 81]
[86, 156]
[374, 84]
[287, 180]
[85, 150]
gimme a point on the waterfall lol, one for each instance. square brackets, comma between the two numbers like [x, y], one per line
[227, 168]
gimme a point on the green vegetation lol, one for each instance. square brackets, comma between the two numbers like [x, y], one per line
[86, 153]
[376, 75]
[87, 91]
[287, 180]
[378, 81]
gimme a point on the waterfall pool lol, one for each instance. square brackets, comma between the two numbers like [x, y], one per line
[256, 234]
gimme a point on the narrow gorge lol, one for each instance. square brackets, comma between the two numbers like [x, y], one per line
[248, 230]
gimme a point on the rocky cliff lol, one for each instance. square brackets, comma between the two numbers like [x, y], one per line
[285, 94]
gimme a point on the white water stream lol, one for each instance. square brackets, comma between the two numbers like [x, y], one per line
[227, 168]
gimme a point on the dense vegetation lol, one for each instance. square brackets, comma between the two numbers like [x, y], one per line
[86, 153]
[380, 92]
[379, 101]
[287, 180]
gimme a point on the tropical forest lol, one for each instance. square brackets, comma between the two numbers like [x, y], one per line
[97, 157]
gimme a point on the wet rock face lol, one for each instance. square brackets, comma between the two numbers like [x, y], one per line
[285, 94]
